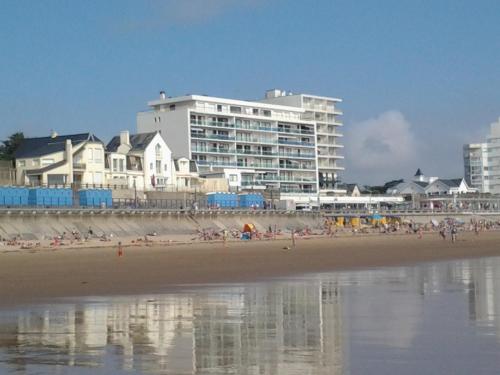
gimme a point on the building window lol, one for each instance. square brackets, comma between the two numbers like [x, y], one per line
[115, 165]
[266, 112]
[98, 155]
[151, 166]
[158, 167]
[122, 166]
[172, 107]
[158, 151]
[234, 109]
[233, 177]
[36, 162]
[255, 111]
[219, 108]
[46, 162]
[165, 168]
[21, 163]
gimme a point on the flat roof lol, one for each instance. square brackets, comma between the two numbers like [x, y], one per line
[248, 103]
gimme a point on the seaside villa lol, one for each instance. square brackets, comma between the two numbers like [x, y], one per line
[60, 159]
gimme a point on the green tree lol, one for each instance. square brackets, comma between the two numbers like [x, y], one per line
[10, 146]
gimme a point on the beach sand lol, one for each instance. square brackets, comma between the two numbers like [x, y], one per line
[42, 275]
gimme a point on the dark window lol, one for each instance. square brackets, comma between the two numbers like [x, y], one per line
[172, 107]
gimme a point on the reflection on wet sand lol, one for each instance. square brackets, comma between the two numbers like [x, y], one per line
[304, 326]
[276, 328]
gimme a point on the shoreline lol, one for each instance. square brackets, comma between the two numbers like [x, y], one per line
[31, 277]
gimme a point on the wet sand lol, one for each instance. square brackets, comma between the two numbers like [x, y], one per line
[40, 276]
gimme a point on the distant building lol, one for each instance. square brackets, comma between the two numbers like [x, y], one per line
[476, 166]
[271, 145]
[141, 161]
[494, 158]
[325, 112]
[60, 159]
[449, 187]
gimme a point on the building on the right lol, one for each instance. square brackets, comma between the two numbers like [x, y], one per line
[494, 158]
[476, 166]
[325, 113]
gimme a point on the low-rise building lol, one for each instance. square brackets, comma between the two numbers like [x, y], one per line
[60, 159]
[449, 187]
[139, 161]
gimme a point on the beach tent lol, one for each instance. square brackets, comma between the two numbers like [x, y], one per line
[248, 228]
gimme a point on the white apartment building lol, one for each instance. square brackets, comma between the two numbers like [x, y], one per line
[140, 161]
[476, 166]
[273, 145]
[325, 113]
[494, 158]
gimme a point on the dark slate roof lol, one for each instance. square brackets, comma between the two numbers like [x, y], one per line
[421, 183]
[418, 173]
[139, 142]
[454, 182]
[33, 147]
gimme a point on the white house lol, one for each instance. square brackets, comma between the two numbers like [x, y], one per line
[60, 159]
[141, 161]
[186, 173]
[449, 187]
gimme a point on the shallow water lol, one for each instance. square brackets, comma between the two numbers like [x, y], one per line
[437, 318]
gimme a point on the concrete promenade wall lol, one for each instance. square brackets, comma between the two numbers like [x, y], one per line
[42, 225]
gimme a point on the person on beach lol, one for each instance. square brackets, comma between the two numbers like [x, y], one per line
[453, 234]
[224, 237]
[120, 249]
[442, 233]
[293, 238]
[420, 232]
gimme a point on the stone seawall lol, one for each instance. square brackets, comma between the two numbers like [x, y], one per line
[39, 225]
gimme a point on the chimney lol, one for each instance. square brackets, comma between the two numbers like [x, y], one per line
[124, 137]
[162, 95]
[69, 160]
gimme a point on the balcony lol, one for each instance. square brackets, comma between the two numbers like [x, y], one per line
[295, 143]
[212, 150]
[298, 167]
[216, 163]
[296, 155]
[295, 131]
[212, 124]
[79, 166]
[256, 128]
[257, 140]
[212, 136]
[258, 165]
[255, 152]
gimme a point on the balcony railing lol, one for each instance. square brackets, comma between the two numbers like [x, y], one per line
[215, 150]
[295, 143]
[258, 165]
[298, 166]
[219, 124]
[254, 152]
[295, 155]
[295, 131]
[212, 136]
[79, 165]
[257, 140]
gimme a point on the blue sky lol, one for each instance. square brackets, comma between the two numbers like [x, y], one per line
[418, 78]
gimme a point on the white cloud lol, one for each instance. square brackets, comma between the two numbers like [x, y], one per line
[383, 145]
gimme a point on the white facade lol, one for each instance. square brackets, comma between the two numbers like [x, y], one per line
[77, 159]
[494, 158]
[325, 113]
[476, 166]
[272, 145]
[449, 187]
[140, 161]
